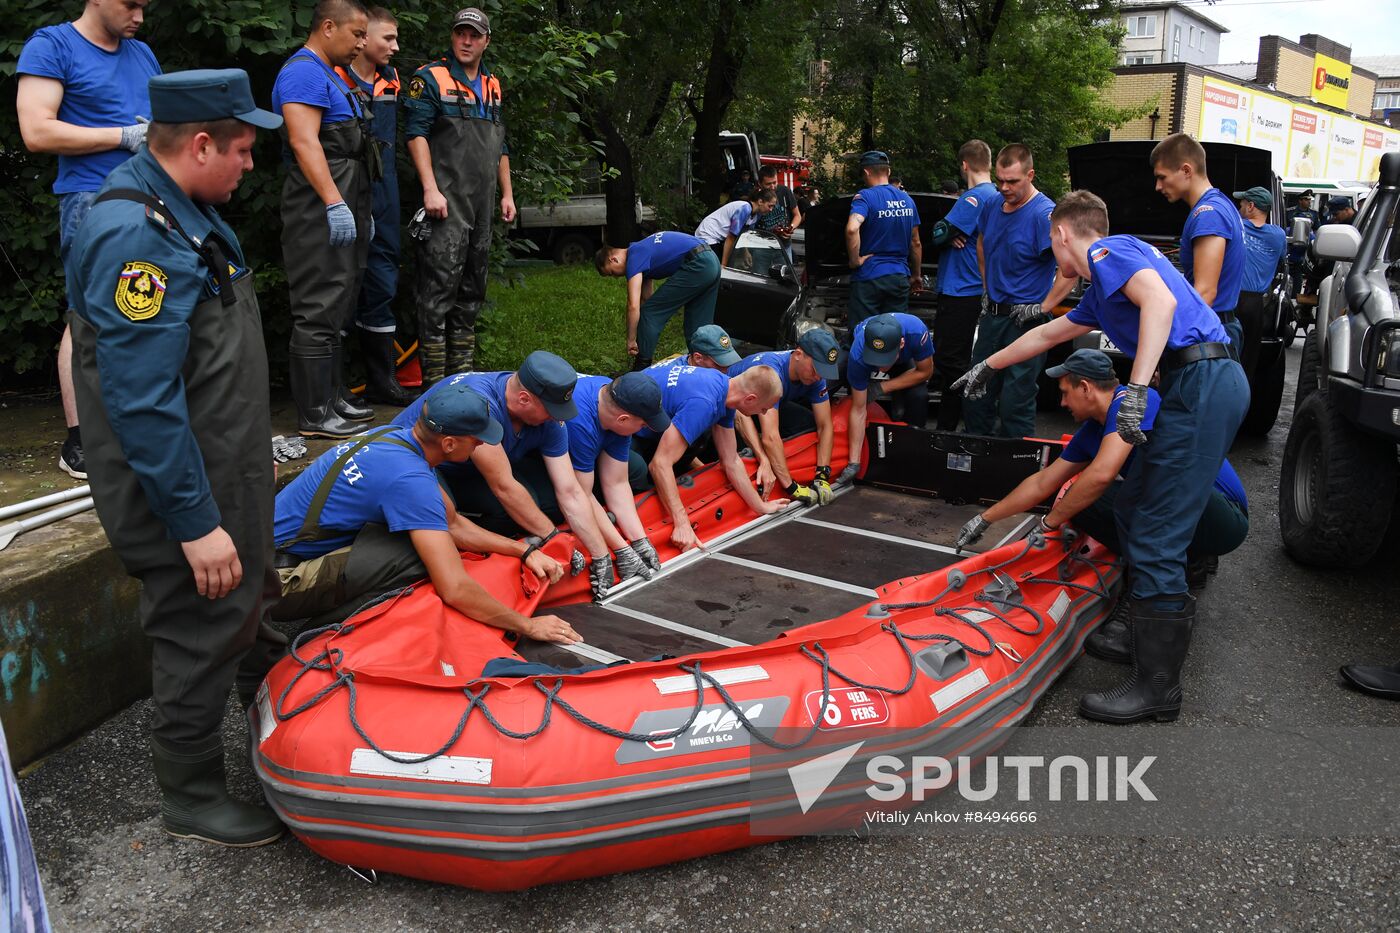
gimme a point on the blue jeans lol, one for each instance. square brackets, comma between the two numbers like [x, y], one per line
[1008, 408]
[1166, 490]
[73, 208]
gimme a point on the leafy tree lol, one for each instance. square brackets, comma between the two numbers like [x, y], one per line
[542, 65]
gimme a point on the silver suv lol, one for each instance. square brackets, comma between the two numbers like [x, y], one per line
[1337, 492]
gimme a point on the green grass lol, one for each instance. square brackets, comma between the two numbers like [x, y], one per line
[568, 310]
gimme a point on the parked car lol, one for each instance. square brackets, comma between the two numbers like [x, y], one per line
[1339, 478]
[758, 290]
[1121, 174]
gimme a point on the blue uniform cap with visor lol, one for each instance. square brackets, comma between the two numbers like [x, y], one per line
[819, 344]
[640, 396]
[457, 411]
[207, 94]
[1091, 364]
[551, 379]
[882, 338]
[713, 341]
[874, 157]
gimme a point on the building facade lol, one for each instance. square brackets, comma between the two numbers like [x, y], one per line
[1163, 32]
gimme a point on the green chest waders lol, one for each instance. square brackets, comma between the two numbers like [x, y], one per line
[199, 645]
[451, 282]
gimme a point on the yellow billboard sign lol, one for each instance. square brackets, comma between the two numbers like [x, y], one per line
[1331, 81]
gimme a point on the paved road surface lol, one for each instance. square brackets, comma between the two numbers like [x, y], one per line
[1267, 646]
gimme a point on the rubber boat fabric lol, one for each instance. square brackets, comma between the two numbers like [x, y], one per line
[382, 746]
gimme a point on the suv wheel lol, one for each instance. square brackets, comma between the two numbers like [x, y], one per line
[1336, 489]
[1307, 370]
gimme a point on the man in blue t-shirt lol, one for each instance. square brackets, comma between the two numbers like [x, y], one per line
[721, 227]
[1265, 247]
[82, 97]
[331, 158]
[691, 271]
[1145, 306]
[699, 401]
[960, 286]
[1014, 242]
[369, 516]
[1089, 390]
[895, 349]
[1212, 254]
[504, 488]
[882, 244]
[805, 404]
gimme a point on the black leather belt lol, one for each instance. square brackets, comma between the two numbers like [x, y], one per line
[285, 560]
[1226, 317]
[1175, 359]
[699, 251]
[1000, 308]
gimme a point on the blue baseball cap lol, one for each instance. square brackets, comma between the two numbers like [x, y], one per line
[713, 341]
[639, 395]
[1338, 202]
[457, 411]
[1091, 364]
[874, 157]
[882, 337]
[550, 379]
[207, 94]
[819, 344]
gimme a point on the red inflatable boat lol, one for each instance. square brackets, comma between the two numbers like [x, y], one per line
[383, 746]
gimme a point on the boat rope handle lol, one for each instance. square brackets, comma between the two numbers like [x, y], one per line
[330, 658]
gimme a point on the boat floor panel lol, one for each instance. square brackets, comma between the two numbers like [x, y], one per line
[839, 555]
[631, 638]
[904, 516]
[751, 606]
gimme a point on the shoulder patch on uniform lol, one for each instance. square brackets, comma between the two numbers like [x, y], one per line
[140, 290]
[1100, 253]
[416, 86]
[1202, 209]
[972, 199]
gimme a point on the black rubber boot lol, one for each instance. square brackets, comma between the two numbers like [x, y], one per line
[347, 404]
[194, 800]
[312, 375]
[1383, 682]
[1198, 571]
[1158, 640]
[1109, 641]
[382, 386]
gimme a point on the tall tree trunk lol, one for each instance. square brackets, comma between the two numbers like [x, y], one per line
[620, 191]
[721, 80]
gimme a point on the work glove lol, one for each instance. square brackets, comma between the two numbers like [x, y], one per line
[1027, 315]
[342, 221]
[134, 136]
[847, 474]
[971, 532]
[288, 448]
[1131, 411]
[577, 563]
[799, 493]
[821, 484]
[646, 552]
[600, 576]
[973, 383]
[629, 565]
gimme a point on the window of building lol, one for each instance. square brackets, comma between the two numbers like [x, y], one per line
[1139, 59]
[1176, 43]
[1139, 26]
[1191, 37]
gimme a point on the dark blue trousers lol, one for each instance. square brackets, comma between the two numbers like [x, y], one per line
[1173, 474]
[375, 311]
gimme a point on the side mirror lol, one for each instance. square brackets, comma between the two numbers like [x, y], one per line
[1337, 241]
[783, 273]
[1301, 233]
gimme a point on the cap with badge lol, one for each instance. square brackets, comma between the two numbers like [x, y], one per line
[713, 341]
[1259, 196]
[207, 94]
[1091, 364]
[882, 337]
[640, 396]
[474, 18]
[873, 157]
[1338, 202]
[819, 344]
[550, 379]
[457, 411]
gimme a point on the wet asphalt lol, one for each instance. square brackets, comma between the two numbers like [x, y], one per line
[1269, 639]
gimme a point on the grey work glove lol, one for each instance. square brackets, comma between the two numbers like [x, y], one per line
[342, 221]
[134, 136]
[973, 383]
[1028, 315]
[629, 565]
[647, 553]
[577, 563]
[971, 532]
[1131, 411]
[600, 576]
[847, 474]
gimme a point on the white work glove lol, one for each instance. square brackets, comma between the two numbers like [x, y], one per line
[342, 221]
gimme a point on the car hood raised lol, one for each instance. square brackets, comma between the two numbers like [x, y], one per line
[1121, 174]
[826, 233]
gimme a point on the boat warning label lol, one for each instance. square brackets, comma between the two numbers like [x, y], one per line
[847, 707]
